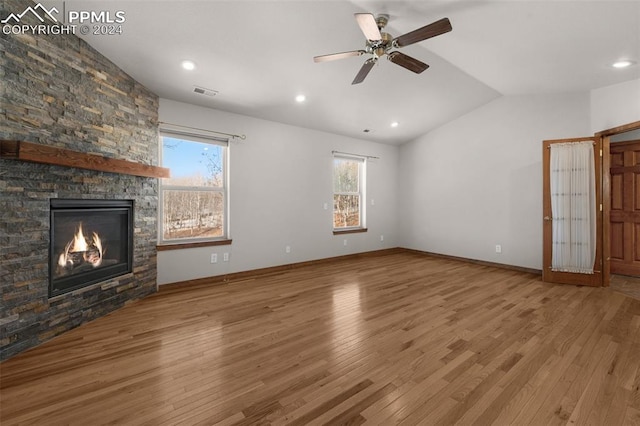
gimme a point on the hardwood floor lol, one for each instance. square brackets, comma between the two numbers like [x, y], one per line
[626, 285]
[399, 338]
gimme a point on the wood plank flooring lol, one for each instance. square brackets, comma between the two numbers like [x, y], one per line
[400, 338]
[626, 285]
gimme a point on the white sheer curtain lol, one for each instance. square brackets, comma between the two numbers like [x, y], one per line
[573, 207]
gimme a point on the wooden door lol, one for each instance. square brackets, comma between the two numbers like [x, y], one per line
[625, 208]
[548, 275]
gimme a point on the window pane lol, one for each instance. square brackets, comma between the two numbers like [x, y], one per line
[345, 175]
[192, 214]
[346, 211]
[193, 163]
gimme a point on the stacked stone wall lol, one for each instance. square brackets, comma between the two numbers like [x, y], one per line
[57, 90]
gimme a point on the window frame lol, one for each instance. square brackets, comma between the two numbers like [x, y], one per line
[187, 242]
[362, 185]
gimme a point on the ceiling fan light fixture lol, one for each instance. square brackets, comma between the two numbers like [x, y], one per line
[623, 63]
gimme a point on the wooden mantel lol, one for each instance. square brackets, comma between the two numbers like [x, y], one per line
[37, 153]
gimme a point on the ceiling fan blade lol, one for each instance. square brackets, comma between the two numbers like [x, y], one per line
[368, 25]
[362, 74]
[412, 64]
[434, 29]
[334, 56]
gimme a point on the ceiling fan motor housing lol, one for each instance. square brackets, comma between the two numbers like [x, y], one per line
[382, 46]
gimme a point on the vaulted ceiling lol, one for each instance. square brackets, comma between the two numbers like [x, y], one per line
[258, 56]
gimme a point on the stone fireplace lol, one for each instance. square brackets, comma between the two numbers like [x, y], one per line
[64, 101]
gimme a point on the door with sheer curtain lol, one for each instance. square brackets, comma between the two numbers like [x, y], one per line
[572, 211]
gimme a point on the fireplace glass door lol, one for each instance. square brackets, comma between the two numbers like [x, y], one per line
[91, 241]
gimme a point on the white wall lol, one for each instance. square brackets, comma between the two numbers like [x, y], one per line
[613, 106]
[280, 178]
[463, 188]
[477, 181]
[631, 135]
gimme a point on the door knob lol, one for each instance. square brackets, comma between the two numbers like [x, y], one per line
[548, 218]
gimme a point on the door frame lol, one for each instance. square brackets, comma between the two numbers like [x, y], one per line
[605, 136]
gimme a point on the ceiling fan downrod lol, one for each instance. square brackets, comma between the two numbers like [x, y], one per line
[381, 21]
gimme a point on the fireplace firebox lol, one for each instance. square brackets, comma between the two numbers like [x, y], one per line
[91, 241]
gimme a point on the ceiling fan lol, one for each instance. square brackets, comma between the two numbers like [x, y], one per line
[380, 43]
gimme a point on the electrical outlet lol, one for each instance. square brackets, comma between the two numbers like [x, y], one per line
[287, 249]
[373, 202]
[225, 257]
[344, 242]
[325, 206]
[498, 248]
[381, 237]
[214, 258]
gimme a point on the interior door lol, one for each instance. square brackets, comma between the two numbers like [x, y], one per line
[624, 216]
[548, 275]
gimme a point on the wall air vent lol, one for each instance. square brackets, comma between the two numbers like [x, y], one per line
[203, 91]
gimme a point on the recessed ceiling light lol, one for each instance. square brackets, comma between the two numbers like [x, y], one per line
[188, 65]
[395, 124]
[301, 98]
[623, 63]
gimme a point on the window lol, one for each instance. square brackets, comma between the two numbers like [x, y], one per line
[194, 199]
[348, 193]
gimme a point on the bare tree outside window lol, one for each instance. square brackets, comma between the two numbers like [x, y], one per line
[193, 198]
[347, 193]
[192, 214]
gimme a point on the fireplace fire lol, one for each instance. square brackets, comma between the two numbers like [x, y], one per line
[91, 241]
[81, 252]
